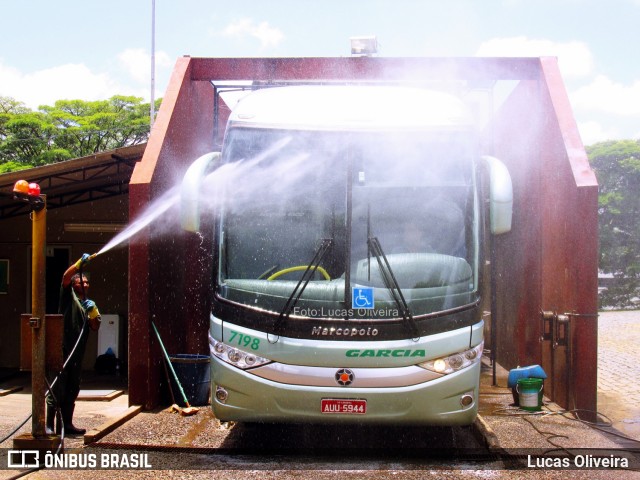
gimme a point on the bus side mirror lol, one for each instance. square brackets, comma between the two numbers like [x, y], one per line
[191, 190]
[500, 196]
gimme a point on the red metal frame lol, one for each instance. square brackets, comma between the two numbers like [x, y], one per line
[548, 261]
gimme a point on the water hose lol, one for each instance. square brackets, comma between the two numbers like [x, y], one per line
[184, 411]
[51, 385]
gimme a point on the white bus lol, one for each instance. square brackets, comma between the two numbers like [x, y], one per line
[348, 252]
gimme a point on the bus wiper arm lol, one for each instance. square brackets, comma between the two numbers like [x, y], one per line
[302, 284]
[392, 284]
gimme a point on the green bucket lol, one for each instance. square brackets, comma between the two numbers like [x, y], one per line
[530, 393]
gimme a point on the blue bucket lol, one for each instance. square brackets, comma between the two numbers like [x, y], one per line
[194, 373]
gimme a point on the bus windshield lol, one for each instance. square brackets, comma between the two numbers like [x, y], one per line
[305, 239]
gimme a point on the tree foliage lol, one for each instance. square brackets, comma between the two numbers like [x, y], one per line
[68, 129]
[617, 167]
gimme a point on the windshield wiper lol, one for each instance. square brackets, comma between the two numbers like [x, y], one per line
[392, 284]
[300, 286]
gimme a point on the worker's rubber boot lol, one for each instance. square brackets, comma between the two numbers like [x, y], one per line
[51, 417]
[67, 417]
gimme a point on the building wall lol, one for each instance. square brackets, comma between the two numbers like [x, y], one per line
[159, 263]
[108, 273]
[548, 262]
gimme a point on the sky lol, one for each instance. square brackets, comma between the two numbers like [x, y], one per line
[91, 50]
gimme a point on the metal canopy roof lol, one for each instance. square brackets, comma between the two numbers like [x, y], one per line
[80, 180]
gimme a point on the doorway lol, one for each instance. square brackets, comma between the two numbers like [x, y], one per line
[56, 263]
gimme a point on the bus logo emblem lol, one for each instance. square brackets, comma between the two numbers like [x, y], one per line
[362, 297]
[344, 377]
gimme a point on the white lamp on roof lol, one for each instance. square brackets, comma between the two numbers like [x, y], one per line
[364, 46]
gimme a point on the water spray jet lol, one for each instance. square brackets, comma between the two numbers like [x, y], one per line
[151, 214]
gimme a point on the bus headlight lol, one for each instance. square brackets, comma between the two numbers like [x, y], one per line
[235, 356]
[455, 362]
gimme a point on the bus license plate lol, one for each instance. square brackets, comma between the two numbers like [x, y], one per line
[342, 405]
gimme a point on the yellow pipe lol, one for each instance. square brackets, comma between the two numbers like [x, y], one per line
[297, 269]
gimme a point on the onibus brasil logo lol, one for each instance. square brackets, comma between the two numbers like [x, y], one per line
[77, 460]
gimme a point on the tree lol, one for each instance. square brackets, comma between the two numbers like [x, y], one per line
[9, 105]
[68, 129]
[617, 167]
[89, 127]
[25, 136]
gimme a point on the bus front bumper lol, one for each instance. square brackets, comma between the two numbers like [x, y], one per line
[239, 395]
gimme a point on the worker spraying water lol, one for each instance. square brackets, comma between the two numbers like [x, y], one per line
[80, 315]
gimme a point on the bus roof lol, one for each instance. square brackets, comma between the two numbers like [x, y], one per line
[331, 107]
